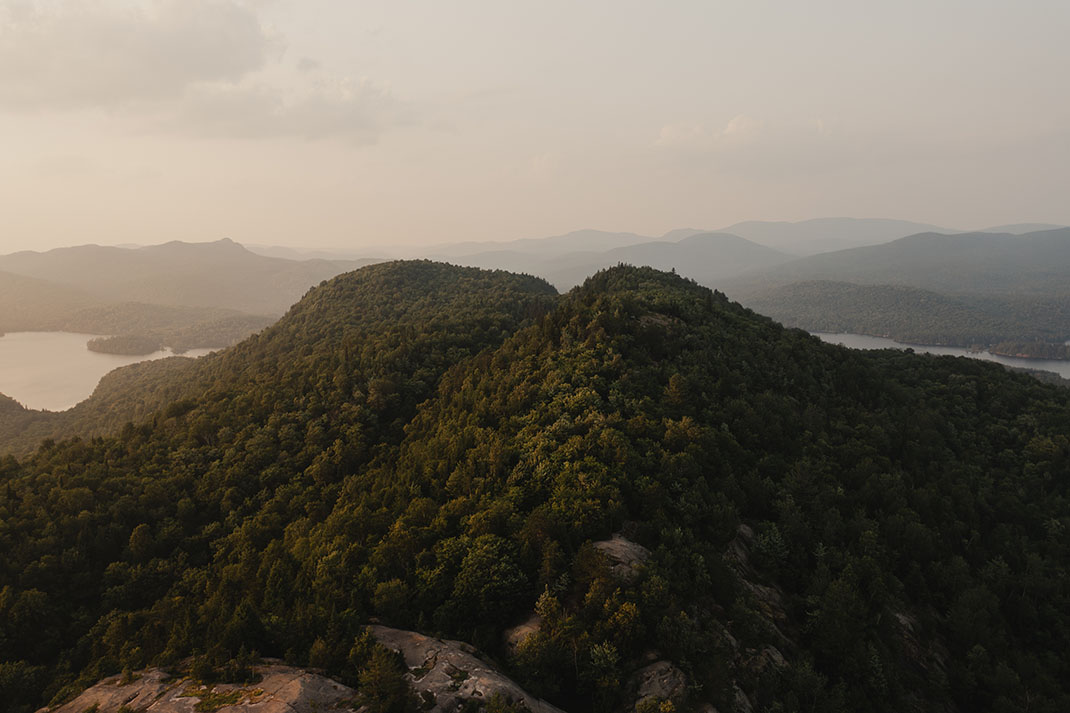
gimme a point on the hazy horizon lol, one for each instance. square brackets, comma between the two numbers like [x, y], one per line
[320, 125]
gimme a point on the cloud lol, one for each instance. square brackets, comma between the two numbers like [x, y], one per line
[104, 53]
[195, 67]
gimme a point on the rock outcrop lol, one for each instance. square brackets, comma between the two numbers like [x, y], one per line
[661, 681]
[625, 557]
[445, 674]
[281, 689]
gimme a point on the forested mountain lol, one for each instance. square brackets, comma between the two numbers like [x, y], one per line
[437, 448]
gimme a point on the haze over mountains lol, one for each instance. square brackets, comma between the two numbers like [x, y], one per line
[799, 238]
[181, 295]
[185, 286]
[219, 274]
[1036, 263]
[969, 289]
[704, 257]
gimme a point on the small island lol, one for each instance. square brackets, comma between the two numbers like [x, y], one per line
[125, 345]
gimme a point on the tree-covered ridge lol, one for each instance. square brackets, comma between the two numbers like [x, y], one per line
[436, 446]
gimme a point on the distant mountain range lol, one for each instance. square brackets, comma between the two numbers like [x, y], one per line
[217, 274]
[807, 237]
[182, 295]
[820, 235]
[80, 287]
[800, 238]
[704, 257]
[1037, 263]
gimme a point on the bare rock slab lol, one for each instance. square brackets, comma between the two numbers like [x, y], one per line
[282, 689]
[450, 672]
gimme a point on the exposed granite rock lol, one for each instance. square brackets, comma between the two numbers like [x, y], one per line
[451, 672]
[282, 689]
[662, 681]
[769, 599]
[625, 557]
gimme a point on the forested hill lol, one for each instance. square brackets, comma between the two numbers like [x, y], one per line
[436, 448]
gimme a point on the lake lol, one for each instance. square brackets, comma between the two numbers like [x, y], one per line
[54, 370]
[861, 341]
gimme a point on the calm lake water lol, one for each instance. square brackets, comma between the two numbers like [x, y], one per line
[861, 341]
[54, 370]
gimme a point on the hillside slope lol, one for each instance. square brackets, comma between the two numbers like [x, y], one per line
[449, 450]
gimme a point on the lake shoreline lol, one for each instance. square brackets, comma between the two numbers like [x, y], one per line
[865, 341]
[55, 371]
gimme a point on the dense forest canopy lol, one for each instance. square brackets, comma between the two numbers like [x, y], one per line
[437, 447]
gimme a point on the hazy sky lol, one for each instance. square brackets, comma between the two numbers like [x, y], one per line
[350, 123]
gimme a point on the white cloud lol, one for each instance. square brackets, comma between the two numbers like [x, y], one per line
[195, 67]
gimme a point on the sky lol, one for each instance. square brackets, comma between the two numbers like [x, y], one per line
[364, 124]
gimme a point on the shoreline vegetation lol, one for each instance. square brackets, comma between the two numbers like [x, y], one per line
[125, 345]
